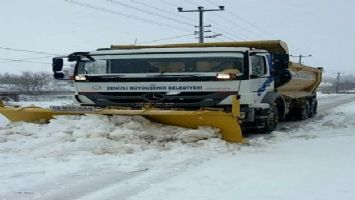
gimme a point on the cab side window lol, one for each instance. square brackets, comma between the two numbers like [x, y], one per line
[258, 66]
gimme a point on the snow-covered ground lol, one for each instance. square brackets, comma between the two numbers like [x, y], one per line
[321, 95]
[99, 157]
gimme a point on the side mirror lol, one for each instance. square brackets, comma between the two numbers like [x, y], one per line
[282, 77]
[280, 61]
[57, 64]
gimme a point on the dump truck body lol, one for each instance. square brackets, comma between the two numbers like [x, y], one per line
[304, 82]
[299, 94]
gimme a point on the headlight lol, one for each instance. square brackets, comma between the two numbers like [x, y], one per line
[80, 77]
[224, 76]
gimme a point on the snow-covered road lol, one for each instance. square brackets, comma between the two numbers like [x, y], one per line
[98, 157]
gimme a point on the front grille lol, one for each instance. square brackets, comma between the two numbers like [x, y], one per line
[150, 79]
[139, 99]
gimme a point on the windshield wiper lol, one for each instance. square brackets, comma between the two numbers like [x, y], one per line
[175, 75]
[105, 76]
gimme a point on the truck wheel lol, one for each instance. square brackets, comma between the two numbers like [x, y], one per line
[272, 120]
[304, 111]
[313, 108]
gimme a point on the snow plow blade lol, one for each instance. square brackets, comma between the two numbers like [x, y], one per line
[227, 122]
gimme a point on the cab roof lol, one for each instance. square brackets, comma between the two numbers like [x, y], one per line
[149, 50]
[272, 46]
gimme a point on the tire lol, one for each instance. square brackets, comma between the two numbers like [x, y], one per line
[272, 120]
[304, 111]
[311, 105]
[313, 108]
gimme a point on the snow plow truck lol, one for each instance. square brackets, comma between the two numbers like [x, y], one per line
[233, 86]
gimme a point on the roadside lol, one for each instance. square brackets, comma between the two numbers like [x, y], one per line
[97, 157]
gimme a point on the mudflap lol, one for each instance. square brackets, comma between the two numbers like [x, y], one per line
[227, 122]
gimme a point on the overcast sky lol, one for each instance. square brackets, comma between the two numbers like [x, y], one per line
[323, 28]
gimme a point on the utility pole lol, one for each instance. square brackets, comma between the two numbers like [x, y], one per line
[300, 57]
[201, 27]
[337, 84]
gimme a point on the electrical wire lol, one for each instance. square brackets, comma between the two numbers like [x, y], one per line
[190, 2]
[149, 12]
[242, 28]
[129, 16]
[168, 38]
[164, 11]
[14, 60]
[26, 59]
[232, 35]
[28, 51]
[228, 38]
[167, 2]
[242, 19]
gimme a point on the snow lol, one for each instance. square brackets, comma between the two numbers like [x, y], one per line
[122, 157]
[321, 95]
[83, 146]
[3, 121]
[325, 84]
[311, 162]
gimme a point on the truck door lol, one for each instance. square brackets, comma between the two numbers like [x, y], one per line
[260, 78]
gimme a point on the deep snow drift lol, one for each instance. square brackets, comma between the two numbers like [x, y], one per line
[120, 157]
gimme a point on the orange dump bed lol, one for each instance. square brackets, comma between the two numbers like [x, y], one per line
[304, 82]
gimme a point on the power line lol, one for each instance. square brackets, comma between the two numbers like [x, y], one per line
[224, 28]
[167, 2]
[232, 35]
[244, 20]
[28, 51]
[14, 60]
[162, 10]
[193, 3]
[168, 38]
[19, 60]
[149, 12]
[242, 28]
[228, 38]
[129, 16]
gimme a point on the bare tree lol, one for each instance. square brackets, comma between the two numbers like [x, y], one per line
[33, 82]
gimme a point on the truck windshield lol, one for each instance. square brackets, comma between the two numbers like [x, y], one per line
[164, 65]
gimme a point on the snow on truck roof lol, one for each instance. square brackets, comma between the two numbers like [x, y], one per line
[272, 46]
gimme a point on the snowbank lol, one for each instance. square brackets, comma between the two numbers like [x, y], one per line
[94, 145]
